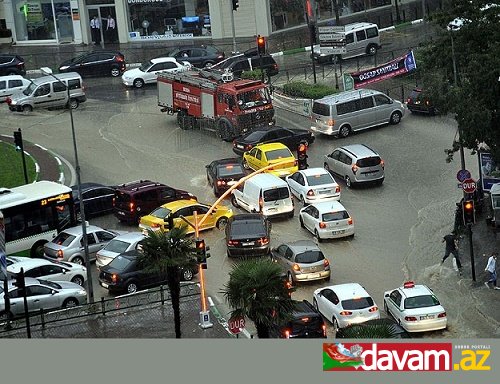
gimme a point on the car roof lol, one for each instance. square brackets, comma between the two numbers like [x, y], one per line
[163, 60]
[359, 150]
[131, 236]
[30, 263]
[77, 230]
[247, 217]
[417, 290]
[27, 281]
[314, 171]
[88, 186]
[232, 160]
[303, 308]
[329, 206]
[177, 204]
[347, 96]
[348, 290]
[271, 146]
[300, 246]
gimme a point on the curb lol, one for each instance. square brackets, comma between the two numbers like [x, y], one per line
[62, 178]
[222, 321]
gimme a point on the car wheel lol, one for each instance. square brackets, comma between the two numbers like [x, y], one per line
[36, 251]
[225, 129]
[344, 131]
[316, 233]
[206, 64]
[245, 164]
[234, 202]
[301, 222]
[73, 103]
[302, 200]
[348, 181]
[115, 72]
[4, 316]
[395, 118]
[221, 223]
[27, 108]
[327, 168]
[386, 310]
[187, 274]
[315, 305]
[138, 83]
[371, 49]
[69, 303]
[78, 280]
[335, 324]
[132, 287]
[77, 260]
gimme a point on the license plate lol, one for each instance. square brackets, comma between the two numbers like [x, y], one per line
[121, 213]
[338, 232]
[426, 317]
[272, 209]
[247, 244]
[104, 285]
[231, 182]
[324, 192]
[314, 276]
[239, 146]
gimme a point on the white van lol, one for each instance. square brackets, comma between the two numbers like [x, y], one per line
[360, 39]
[342, 113]
[12, 85]
[48, 92]
[266, 194]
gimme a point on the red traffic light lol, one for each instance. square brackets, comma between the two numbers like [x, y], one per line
[261, 44]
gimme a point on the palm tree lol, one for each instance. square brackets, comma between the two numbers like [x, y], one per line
[257, 289]
[169, 253]
[373, 329]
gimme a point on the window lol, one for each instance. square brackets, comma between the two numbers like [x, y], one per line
[15, 83]
[167, 194]
[288, 254]
[371, 32]
[200, 210]
[277, 154]
[35, 272]
[3, 85]
[349, 38]
[258, 154]
[37, 290]
[104, 236]
[59, 87]
[335, 216]
[309, 257]
[90, 59]
[358, 303]
[74, 84]
[368, 162]
[321, 109]
[366, 102]
[396, 297]
[321, 179]
[421, 301]
[347, 107]
[43, 90]
[361, 35]
[90, 239]
[336, 155]
[382, 99]
[147, 196]
[330, 296]
[276, 194]
[343, 158]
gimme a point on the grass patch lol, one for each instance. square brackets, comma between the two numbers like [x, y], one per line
[11, 167]
[402, 25]
[293, 51]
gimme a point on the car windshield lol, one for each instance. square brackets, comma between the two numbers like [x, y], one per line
[334, 216]
[277, 154]
[321, 179]
[230, 170]
[117, 246]
[276, 194]
[64, 239]
[247, 228]
[421, 301]
[160, 213]
[145, 66]
[121, 263]
[255, 136]
[30, 89]
[357, 303]
[309, 257]
[254, 98]
[49, 283]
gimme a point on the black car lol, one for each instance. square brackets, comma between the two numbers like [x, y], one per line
[11, 65]
[96, 63]
[248, 234]
[306, 322]
[198, 56]
[248, 61]
[125, 274]
[221, 174]
[359, 331]
[420, 103]
[97, 198]
[290, 137]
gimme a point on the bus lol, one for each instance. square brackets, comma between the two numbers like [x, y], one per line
[34, 214]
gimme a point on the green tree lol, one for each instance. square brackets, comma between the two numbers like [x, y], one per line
[257, 289]
[379, 330]
[169, 253]
[470, 89]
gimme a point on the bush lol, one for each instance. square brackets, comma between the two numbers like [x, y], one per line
[5, 33]
[252, 75]
[308, 91]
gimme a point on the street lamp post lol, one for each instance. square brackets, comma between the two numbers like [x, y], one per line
[90, 290]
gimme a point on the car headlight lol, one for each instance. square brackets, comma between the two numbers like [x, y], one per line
[64, 67]
[82, 292]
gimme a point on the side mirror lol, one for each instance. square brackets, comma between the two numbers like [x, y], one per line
[53, 292]
[386, 295]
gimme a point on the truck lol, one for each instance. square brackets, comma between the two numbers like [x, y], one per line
[215, 101]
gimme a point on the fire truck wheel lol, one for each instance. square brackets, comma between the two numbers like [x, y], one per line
[182, 120]
[225, 129]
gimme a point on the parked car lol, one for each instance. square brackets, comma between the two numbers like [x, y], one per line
[313, 185]
[418, 102]
[345, 304]
[249, 61]
[12, 85]
[147, 73]
[96, 63]
[97, 199]
[415, 307]
[306, 322]
[302, 260]
[68, 244]
[50, 270]
[290, 137]
[198, 56]
[162, 218]
[354, 330]
[42, 294]
[248, 234]
[11, 64]
[263, 155]
[327, 220]
[137, 198]
[224, 173]
[125, 274]
[120, 244]
[15, 259]
[356, 164]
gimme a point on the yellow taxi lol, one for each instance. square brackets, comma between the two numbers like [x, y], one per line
[263, 155]
[170, 214]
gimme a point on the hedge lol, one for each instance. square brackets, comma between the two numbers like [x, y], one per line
[308, 91]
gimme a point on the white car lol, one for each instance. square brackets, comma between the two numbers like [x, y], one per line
[327, 220]
[345, 304]
[147, 73]
[415, 308]
[313, 185]
[119, 244]
[50, 270]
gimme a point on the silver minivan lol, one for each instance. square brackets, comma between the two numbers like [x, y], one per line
[49, 92]
[346, 112]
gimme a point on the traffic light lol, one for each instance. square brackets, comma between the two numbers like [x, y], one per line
[261, 45]
[20, 280]
[201, 253]
[302, 155]
[235, 5]
[18, 140]
[469, 212]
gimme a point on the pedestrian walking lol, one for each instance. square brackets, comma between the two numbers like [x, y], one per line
[95, 29]
[451, 241]
[110, 29]
[491, 268]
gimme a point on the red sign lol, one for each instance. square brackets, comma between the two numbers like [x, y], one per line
[469, 185]
[236, 324]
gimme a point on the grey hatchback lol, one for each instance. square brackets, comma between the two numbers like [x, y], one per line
[302, 260]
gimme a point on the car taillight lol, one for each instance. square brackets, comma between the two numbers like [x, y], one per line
[20, 64]
[441, 315]
[270, 169]
[60, 254]
[287, 333]
[354, 168]
[330, 122]
[233, 242]
[114, 277]
[373, 309]
[120, 58]
[323, 327]
[310, 192]
[275, 66]
[248, 147]
[114, 201]
[261, 204]
[263, 240]
[221, 182]
[349, 221]
[295, 163]
[410, 318]
[382, 164]
[408, 101]
[322, 225]
[326, 263]
[131, 207]
[337, 189]
[9, 101]
[155, 225]
[296, 267]
[345, 313]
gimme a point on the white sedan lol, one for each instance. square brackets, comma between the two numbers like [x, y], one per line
[415, 308]
[147, 73]
[313, 185]
[50, 270]
[327, 220]
[345, 304]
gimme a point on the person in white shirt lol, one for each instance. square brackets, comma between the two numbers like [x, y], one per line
[491, 268]
[110, 29]
[95, 29]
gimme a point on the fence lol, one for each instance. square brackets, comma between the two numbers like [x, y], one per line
[100, 308]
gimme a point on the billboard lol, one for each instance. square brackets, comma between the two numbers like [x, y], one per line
[489, 171]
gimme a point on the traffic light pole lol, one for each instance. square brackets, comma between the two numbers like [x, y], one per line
[233, 28]
[18, 139]
[471, 250]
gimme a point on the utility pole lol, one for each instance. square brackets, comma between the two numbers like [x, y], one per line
[311, 24]
[234, 6]
[18, 140]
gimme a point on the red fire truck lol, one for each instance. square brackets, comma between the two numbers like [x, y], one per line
[214, 100]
